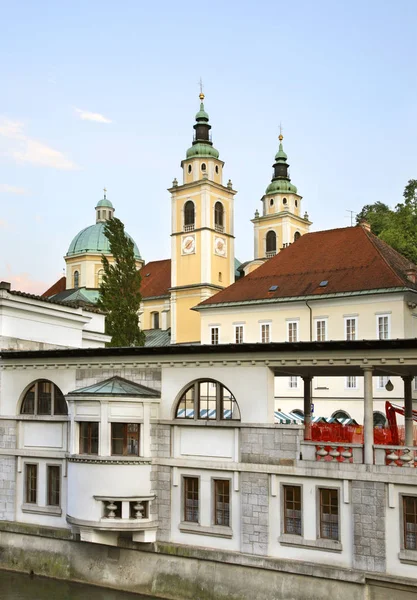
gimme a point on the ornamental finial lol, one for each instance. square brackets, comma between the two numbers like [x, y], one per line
[280, 137]
[105, 191]
[201, 90]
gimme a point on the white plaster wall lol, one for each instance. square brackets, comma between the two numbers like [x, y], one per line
[86, 480]
[310, 522]
[206, 510]
[254, 391]
[198, 442]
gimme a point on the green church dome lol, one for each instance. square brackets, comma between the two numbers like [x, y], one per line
[204, 150]
[92, 239]
[280, 185]
[105, 203]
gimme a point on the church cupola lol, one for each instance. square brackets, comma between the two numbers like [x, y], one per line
[281, 181]
[104, 209]
[202, 144]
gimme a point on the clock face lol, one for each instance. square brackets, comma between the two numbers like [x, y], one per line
[220, 246]
[188, 244]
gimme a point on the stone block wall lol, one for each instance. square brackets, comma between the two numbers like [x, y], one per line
[7, 471]
[160, 441]
[368, 512]
[254, 510]
[149, 377]
[270, 445]
[161, 478]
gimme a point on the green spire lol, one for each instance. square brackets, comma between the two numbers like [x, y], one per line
[202, 115]
[281, 181]
[280, 156]
[202, 144]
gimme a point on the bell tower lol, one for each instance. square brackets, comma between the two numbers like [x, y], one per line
[202, 246]
[280, 223]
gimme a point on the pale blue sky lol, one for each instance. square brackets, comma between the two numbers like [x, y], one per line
[340, 75]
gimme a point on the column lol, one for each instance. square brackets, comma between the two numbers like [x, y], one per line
[368, 418]
[408, 409]
[307, 407]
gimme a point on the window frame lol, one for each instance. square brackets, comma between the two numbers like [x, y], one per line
[296, 323]
[49, 491]
[185, 478]
[267, 325]
[386, 316]
[320, 521]
[355, 319]
[271, 233]
[89, 437]
[291, 382]
[28, 487]
[318, 320]
[239, 333]
[351, 387]
[219, 215]
[212, 329]
[187, 214]
[195, 401]
[76, 279]
[53, 400]
[284, 488]
[379, 378]
[124, 439]
[403, 523]
[217, 481]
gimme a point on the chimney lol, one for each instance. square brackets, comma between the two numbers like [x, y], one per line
[365, 225]
[411, 273]
[5, 285]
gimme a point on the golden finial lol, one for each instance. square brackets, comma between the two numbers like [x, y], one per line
[280, 137]
[201, 90]
[105, 191]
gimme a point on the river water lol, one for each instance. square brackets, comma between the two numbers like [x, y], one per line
[20, 586]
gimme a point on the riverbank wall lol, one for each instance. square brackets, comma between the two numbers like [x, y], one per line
[178, 572]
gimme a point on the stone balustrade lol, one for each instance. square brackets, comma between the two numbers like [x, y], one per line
[335, 452]
[396, 456]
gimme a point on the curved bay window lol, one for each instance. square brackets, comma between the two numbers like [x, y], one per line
[189, 216]
[44, 398]
[218, 216]
[209, 400]
[76, 279]
[271, 243]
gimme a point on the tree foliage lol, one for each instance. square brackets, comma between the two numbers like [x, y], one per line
[120, 295]
[397, 227]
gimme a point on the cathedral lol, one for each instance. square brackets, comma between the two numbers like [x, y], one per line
[202, 259]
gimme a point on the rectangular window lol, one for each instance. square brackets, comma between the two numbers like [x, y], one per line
[410, 522]
[222, 502]
[329, 514]
[265, 333]
[321, 333]
[54, 485]
[383, 327]
[214, 335]
[191, 508]
[44, 397]
[292, 509]
[31, 484]
[381, 382]
[238, 334]
[207, 400]
[351, 328]
[293, 381]
[292, 331]
[125, 439]
[88, 438]
[351, 382]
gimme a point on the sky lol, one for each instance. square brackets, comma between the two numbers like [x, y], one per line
[100, 94]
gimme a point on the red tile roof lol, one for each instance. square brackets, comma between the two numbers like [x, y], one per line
[156, 278]
[59, 286]
[351, 259]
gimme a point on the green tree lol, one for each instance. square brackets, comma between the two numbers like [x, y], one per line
[120, 295]
[396, 227]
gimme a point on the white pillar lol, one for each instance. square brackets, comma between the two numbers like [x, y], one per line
[408, 409]
[368, 420]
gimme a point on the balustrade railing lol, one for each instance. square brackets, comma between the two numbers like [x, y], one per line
[125, 509]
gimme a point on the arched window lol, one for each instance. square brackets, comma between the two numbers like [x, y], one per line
[380, 419]
[44, 398]
[100, 275]
[190, 168]
[76, 279]
[207, 399]
[341, 415]
[189, 215]
[217, 169]
[284, 201]
[297, 236]
[155, 320]
[218, 216]
[271, 243]
[203, 167]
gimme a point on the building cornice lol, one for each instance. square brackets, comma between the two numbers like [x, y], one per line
[202, 182]
[228, 235]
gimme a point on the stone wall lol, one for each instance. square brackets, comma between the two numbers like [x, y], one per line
[7, 471]
[368, 511]
[255, 500]
[270, 445]
[160, 441]
[161, 508]
[149, 377]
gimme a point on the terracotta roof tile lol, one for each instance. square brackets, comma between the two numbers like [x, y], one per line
[350, 259]
[59, 286]
[156, 278]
